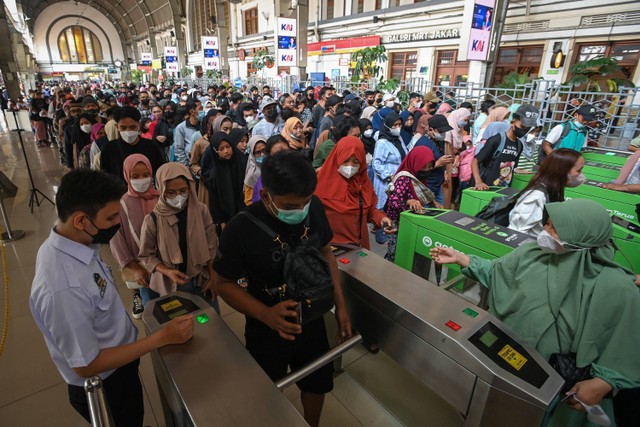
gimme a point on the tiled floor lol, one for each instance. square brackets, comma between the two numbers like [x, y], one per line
[33, 393]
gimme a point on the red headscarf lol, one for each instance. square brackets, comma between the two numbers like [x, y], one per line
[417, 159]
[339, 193]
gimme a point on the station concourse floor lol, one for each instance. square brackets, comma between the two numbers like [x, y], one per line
[33, 392]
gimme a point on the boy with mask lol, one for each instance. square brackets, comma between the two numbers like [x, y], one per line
[575, 137]
[114, 152]
[273, 335]
[76, 305]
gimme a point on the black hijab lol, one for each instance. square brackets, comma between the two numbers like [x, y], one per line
[369, 143]
[226, 180]
[385, 133]
[236, 135]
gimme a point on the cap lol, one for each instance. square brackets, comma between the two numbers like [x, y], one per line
[266, 101]
[350, 97]
[333, 100]
[439, 123]
[588, 112]
[388, 97]
[528, 115]
[431, 97]
[88, 100]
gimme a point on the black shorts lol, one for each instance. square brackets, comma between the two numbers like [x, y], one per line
[124, 395]
[275, 355]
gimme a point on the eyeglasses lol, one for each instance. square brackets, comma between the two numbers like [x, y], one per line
[172, 194]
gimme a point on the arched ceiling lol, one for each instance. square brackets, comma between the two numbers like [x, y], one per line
[133, 19]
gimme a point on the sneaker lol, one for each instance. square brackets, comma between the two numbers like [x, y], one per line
[138, 308]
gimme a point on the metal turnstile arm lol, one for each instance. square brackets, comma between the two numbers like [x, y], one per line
[328, 357]
[98, 405]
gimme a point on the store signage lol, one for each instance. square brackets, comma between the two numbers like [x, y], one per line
[171, 59]
[286, 42]
[146, 58]
[210, 53]
[480, 32]
[452, 33]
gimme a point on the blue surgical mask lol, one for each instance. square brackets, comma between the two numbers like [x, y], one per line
[291, 216]
[578, 125]
[259, 160]
[200, 115]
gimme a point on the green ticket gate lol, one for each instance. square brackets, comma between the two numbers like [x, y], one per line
[601, 171]
[473, 200]
[617, 158]
[419, 233]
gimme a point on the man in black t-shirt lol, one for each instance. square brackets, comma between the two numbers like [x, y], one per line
[114, 152]
[273, 336]
[493, 168]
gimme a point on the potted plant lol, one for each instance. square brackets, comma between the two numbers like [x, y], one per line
[599, 74]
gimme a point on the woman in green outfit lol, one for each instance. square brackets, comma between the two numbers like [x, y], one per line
[568, 278]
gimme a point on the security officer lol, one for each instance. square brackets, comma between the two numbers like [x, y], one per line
[76, 305]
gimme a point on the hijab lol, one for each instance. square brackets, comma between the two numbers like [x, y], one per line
[339, 193]
[495, 115]
[206, 122]
[592, 297]
[417, 159]
[406, 133]
[369, 142]
[456, 134]
[286, 133]
[444, 108]
[94, 131]
[513, 108]
[168, 244]
[235, 136]
[111, 129]
[226, 178]
[216, 125]
[253, 172]
[368, 113]
[385, 133]
[377, 120]
[423, 123]
[147, 200]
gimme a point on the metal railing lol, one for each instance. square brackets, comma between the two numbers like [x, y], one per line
[98, 405]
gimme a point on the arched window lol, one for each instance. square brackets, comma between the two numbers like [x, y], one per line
[79, 45]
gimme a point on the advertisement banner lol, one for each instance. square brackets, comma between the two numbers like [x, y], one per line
[480, 31]
[210, 53]
[171, 59]
[146, 58]
[286, 42]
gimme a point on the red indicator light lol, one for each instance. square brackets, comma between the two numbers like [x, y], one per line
[344, 260]
[453, 325]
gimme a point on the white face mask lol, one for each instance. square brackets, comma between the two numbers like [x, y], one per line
[437, 136]
[417, 104]
[85, 128]
[395, 131]
[550, 244]
[178, 202]
[347, 171]
[575, 181]
[141, 185]
[462, 123]
[368, 133]
[184, 98]
[248, 119]
[390, 104]
[129, 136]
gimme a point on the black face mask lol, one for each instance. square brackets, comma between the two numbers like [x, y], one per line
[271, 115]
[521, 132]
[145, 102]
[370, 101]
[168, 114]
[379, 100]
[104, 235]
[91, 112]
[422, 175]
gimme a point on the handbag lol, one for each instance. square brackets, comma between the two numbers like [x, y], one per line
[565, 365]
[306, 273]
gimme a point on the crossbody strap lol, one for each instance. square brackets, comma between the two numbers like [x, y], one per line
[264, 227]
[135, 236]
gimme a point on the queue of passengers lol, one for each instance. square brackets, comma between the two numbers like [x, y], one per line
[202, 173]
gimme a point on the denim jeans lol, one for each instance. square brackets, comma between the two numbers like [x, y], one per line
[190, 287]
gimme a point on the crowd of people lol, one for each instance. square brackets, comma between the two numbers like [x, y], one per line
[166, 174]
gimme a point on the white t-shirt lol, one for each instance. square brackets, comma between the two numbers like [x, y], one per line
[556, 133]
[526, 215]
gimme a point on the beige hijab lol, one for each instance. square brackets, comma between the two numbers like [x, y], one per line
[286, 133]
[168, 245]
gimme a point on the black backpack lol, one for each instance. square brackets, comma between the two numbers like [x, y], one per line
[306, 273]
[498, 210]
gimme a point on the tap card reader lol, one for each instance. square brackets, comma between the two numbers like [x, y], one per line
[171, 307]
[508, 354]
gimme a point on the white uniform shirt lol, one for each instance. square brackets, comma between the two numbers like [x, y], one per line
[526, 215]
[75, 303]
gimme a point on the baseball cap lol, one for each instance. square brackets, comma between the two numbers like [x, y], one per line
[333, 100]
[350, 97]
[266, 101]
[439, 123]
[588, 112]
[89, 100]
[528, 115]
[431, 97]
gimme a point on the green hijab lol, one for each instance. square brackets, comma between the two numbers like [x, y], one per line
[594, 299]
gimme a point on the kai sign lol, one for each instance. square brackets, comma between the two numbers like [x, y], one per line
[171, 59]
[286, 42]
[210, 53]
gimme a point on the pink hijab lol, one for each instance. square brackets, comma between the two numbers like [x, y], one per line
[147, 200]
[444, 108]
[455, 137]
